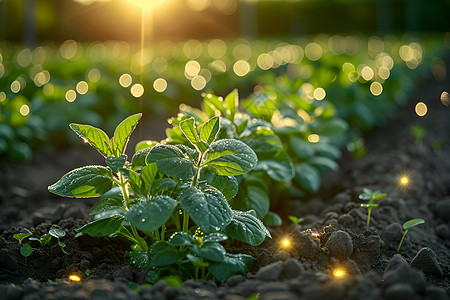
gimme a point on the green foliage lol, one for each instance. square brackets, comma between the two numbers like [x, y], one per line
[372, 196]
[195, 179]
[407, 226]
[26, 250]
[21, 236]
[418, 132]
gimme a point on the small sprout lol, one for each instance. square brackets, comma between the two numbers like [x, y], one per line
[87, 272]
[339, 273]
[407, 226]
[295, 220]
[21, 236]
[58, 233]
[372, 196]
[75, 278]
[26, 251]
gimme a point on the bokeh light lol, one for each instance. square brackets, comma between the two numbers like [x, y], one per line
[82, 87]
[24, 110]
[421, 109]
[313, 138]
[241, 68]
[125, 80]
[376, 88]
[71, 95]
[137, 90]
[160, 85]
[445, 98]
[319, 94]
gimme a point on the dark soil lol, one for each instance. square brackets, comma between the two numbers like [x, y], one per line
[302, 270]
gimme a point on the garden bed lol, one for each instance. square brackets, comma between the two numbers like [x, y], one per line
[332, 236]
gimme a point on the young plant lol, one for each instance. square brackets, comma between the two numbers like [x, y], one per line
[418, 132]
[372, 196]
[161, 183]
[295, 220]
[407, 226]
[26, 249]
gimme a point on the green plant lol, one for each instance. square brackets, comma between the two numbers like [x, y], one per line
[44, 239]
[407, 226]
[295, 220]
[418, 132]
[161, 183]
[372, 196]
[26, 251]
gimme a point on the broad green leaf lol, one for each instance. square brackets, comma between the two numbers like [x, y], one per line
[208, 208]
[227, 185]
[150, 215]
[197, 261]
[263, 139]
[139, 158]
[116, 163]
[276, 164]
[411, 223]
[181, 239]
[96, 137]
[21, 236]
[84, 182]
[187, 151]
[272, 219]
[144, 145]
[26, 250]
[122, 134]
[106, 204]
[57, 233]
[329, 127]
[161, 254]
[214, 100]
[138, 259]
[327, 150]
[210, 251]
[189, 130]
[233, 264]
[209, 130]
[102, 227]
[230, 157]
[162, 185]
[171, 161]
[253, 197]
[246, 228]
[148, 174]
[231, 102]
[300, 147]
[323, 164]
[214, 237]
[308, 177]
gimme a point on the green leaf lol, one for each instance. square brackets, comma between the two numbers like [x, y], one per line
[148, 175]
[102, 227]
[327, 150]
[214, 100]
[85, 182]
[57, 233]
[150, 215]
[233, 264]
[246, 228]
[253, 197]
[323, 164]
[26, 250]
[145, 144]
[295, 220]
[21, 236]
[301, 148]
[272, 219]
[45, 239]
[139, 159]
[122, 134]
[208, 208]
[95, 137]
[106, 204]
[171, 161]
[308, 177]
[209, 130]
[181, 239]
[263, 139]
[329, 127]
[230, 157]
[411, 223]
[277, 164]
[116, 163]
[161, 254]
[210, 251]
[189, 130]
[162, 185]
[214, 237]
[227, 185]
[197, 261]
[138, 259]
[231, 102]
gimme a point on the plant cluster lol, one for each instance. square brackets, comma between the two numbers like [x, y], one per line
[162, 191]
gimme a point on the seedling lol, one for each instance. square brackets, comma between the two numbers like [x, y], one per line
[418, 132]
[26, 251]
[295, 220]
[58, 233]
[148, 193]
[21, 236]
[372, 196]
[407, 226]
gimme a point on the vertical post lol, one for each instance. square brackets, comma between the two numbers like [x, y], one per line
[29, 18]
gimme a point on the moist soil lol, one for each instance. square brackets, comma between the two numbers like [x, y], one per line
[332, 236]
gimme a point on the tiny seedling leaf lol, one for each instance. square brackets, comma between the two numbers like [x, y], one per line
[412, 223]
[21, 236]
[57, 233]
[26, 250]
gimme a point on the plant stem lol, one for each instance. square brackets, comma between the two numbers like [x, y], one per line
[399, 245]
[185, 221]
[138, 238]
[123, 188]
[368, 217]
[157, 235]
[163, 231]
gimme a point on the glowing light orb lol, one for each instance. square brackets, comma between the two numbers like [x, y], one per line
[146, 3]
[339, 273]
[285, 243]
[421, 109]
[404, 180]
[74, 278]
